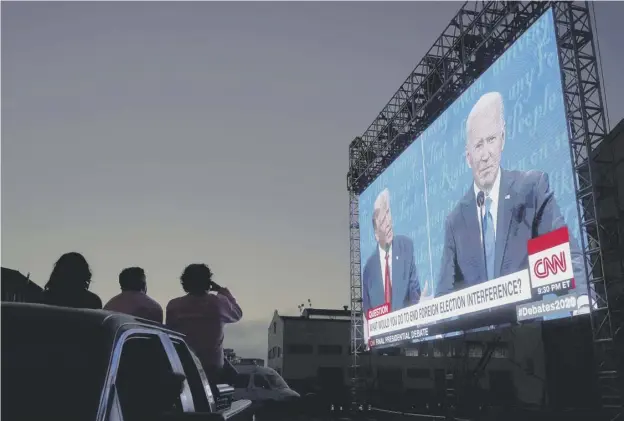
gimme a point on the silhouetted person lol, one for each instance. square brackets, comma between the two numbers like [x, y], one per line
[201, 316]
[133, 299]
[69, 284]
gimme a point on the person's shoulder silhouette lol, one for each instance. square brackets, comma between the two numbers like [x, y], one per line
[69, 283]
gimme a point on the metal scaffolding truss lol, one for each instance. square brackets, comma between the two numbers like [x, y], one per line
[587, 129]
[357, 325]
[474, 39]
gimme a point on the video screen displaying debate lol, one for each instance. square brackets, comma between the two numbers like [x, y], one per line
[475, 224]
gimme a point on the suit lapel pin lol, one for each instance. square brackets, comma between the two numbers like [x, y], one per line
[507, 197]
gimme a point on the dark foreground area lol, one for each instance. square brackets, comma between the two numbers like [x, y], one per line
[489, 414]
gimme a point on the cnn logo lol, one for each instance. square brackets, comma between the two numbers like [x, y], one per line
[551, 265]
[547, 266]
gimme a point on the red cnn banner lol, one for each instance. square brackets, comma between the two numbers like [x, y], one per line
[550, 260]
[378, 311]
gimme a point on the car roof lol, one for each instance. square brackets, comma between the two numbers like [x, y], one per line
[254, 369]
[69, 318]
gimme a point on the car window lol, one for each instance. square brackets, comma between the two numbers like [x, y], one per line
[200, 401]
[242, 381]
[261, 382]
[276, 381]
[144, 381]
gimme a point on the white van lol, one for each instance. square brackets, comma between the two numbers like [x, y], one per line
[261, 385]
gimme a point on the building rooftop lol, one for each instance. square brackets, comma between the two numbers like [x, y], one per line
[325, 313]
[17, 287]
[14, 278]
[321, 314]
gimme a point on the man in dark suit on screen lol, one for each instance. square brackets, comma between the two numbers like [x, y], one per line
[390, 272]
[486, 234]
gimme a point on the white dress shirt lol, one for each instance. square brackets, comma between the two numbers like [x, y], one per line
[382, 260]
[493, 194]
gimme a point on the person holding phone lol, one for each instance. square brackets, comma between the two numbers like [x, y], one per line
[201, 315]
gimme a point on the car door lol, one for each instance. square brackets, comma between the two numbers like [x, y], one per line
[143, 378]
[262, 388]
[201, 393]
[243, 388]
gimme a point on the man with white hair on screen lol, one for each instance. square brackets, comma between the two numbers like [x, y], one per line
[390, 275]
[486, 234]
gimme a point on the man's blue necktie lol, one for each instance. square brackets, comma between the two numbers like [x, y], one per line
[489, 238]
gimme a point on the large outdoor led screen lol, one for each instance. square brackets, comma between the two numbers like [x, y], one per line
[476, 224]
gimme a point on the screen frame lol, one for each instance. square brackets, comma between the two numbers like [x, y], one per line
[449, 103]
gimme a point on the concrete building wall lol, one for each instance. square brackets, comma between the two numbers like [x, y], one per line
[608, 178]
[275, 353]
[311, 344]
[520, 357]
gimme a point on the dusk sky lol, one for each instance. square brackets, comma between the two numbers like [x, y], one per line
[160, 134]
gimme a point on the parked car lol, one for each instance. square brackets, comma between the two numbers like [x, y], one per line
[268, 391]
[73, 364]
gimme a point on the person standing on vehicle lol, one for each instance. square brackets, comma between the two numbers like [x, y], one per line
[69, 282]
[201, 315]
[133, 298]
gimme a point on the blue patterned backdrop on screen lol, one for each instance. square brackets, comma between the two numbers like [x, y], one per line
[405, 181]
[432, 175]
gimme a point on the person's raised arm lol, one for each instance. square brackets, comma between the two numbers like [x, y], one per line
[229, 310]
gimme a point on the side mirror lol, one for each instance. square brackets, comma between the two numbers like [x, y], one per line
[170, 388]
[177, 382]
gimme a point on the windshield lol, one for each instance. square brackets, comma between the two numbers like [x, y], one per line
[276, 381]
[242, 381]
[49, 372]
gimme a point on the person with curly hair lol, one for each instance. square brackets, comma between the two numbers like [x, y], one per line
[201, 315]
[69, 283]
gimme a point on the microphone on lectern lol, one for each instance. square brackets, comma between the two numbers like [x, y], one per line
[480, 201]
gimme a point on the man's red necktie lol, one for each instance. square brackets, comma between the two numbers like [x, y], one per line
[387, 283]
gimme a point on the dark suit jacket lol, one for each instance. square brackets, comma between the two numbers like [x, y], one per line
[526, 209]
[405, 286]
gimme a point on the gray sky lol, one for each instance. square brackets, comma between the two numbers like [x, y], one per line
[163, 134]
